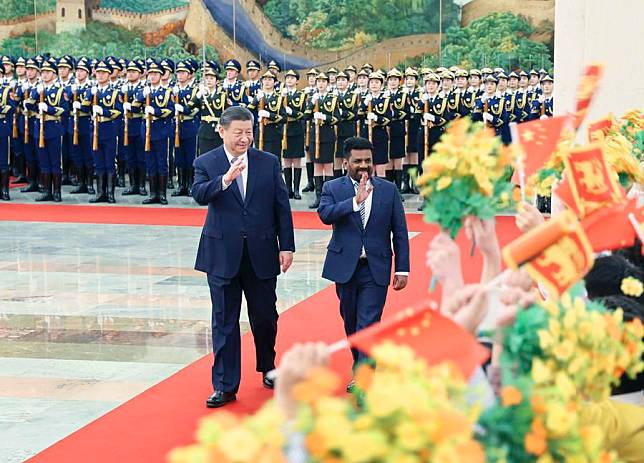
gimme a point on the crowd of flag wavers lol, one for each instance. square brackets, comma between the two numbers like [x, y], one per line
[71, 121]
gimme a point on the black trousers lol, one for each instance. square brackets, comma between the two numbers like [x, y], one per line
[226, 296]
[362, 301]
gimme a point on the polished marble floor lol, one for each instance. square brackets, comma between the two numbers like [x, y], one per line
[91, 315]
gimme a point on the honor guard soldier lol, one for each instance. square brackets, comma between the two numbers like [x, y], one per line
[158, 113]
[26, 124]
[522, 99]
[167, 66]
[489, 107]
[293, 149]
[78, 128]
[508, 103]
[309, 90]
[7, 107]
[235, 91]
[114, 80]
[351, 73]
[485, 73]
[324, 110]
[133, 113]
[474, 88]
[211, 100]
[269, 110]
[167, 81]
[453, 98]
[349, 102]
[186, 127]
[513, 81]
[47, 100]
[253, 83]
[332, 74]
[106, 110]
[401, 109]
[377, 111]
[466, 101]
[533, 86]
[65, 80]
[432, 107]
[18, 65]
[542, 106]
[411, 160]
[275, 69]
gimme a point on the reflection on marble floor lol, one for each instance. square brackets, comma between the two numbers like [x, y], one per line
[91, 315]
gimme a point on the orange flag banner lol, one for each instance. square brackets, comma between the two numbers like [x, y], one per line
[599, 129]
[586, 90]
[611, 228]
[431, 335]
[592, 182]
[557, 253]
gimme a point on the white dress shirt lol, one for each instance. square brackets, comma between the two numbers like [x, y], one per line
[244, 172]
[367, 212]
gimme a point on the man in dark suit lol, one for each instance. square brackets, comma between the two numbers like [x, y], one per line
[367, 217]
[247, 237]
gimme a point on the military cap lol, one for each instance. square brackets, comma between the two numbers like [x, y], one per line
[183, 66]
[513, 75]
[253, 65]
[491, 78]
[533, 72]
[498, 70]
[425, 71]
[211, 69]
[6, 59]
[21, 61]
[93, 62]
[32, 63]
[431, 77]
[167, 64]
[441, 70]
[547, 78]
[367, 66]
[447, 75]
[292, 73]
[103, 65]
[475, 72]
[272, 64]
[321, 76]
[543, 71]
[84, 64]
[342, 74]
[461, 73]
[268, 75]
[113, 62]
[411, 72]
[233, 64]
[122, 62]
[312, 72]
[377, 75]
[394, 72]
[193, 63]
[350, 67]
[39, 59]
[332, 70]
[153, 66]
[363, 72]
[502, 75]
[486, 71]
[66, 62]
[132, 65]
[523, 74]
[453, 69]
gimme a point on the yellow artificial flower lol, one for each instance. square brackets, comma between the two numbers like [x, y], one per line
[540, 372]
[632, 287]
[443, 183]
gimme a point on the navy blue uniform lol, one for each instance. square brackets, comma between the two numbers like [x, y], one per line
[109, 100]
[49, 156]
[156, 160]
[188, 126]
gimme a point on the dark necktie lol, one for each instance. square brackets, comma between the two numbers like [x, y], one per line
[240, 180]
[363, 211]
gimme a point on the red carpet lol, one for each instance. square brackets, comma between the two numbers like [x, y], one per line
[165, 416]
[132, 215]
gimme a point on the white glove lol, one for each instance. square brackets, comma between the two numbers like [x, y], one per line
[201, 92]
[13, 83]
[259, 94]
[429, 117]
[368, 98]
[42, 107]
[386, 93]
[76, 105]
[97, 110]
[289, 111]
[178, 108]
[74, 87]
[149, 110]
[125, 88]
[25, 88]
[543, 117]
[175, 90]
[484, 97]
[284, 91]
[319, 116]
[225, 85]
[372, 117]
[424, 97]
[262, 113]
[40, 88]
[146, 91]
[470, 89]
[488, 117]
[542, 98]
[127, 106]
[94, 91]
[512, 124]
[315, 97]
[24, 106]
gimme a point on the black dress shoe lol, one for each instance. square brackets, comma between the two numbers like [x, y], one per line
[268, 383]
[219, 399]
[351, 386]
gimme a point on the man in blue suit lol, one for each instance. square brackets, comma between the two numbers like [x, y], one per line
[247, 237]
[367, 217]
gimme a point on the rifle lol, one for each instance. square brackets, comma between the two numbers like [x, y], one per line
[317, 129]
[75, 132]
[284, 135]
[148, 125]
[369, 125]
[261, 125]
[426, 132]
[177, 124]
[95, 118]
[41, 135]
[126, 130]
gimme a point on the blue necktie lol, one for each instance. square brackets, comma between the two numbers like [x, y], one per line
[363, 211]
[240, 181]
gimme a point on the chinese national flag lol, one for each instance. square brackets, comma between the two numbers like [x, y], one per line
[431, 335]
[610, 227]
[557, 253]
[586, 91]
[592, 182]
[597, 130]
[538, 140]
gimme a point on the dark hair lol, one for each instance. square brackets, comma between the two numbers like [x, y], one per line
[632, 309]
[633, 254]
[356, 143]
[235, 113]
[605, 278]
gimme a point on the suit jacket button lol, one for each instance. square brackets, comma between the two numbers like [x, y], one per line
[244, 212]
